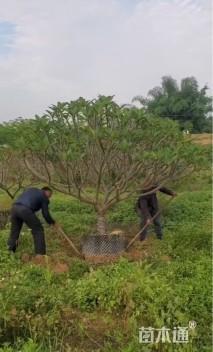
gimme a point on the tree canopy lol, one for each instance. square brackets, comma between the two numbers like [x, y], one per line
[101, 153]
[14, 175]
[186, 103]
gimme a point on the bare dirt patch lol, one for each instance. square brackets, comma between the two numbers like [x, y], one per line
[60, 268]
[96, 329]
[46, 262]
[203, 139]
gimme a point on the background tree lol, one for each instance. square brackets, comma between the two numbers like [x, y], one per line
[101, 154]
[187, 104]
[14, 176]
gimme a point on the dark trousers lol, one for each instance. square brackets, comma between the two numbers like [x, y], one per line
[21, 214]
[156, 222]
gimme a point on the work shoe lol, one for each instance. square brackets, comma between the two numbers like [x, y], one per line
[13, 248]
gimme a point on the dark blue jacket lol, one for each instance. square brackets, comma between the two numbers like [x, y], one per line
[36, 200]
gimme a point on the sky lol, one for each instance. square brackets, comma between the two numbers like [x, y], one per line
[58, 50]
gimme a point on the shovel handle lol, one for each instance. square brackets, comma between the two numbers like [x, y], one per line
[69, 241]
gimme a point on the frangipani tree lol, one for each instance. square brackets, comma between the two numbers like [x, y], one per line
[14, 176]
[101, 153]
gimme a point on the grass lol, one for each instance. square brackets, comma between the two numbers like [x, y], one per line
[101, 308]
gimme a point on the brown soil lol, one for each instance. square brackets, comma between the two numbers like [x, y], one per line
[103, 259]
[137, 252]
[67, 251]
[25, 258]
[60, 268]
[46, 262]
[57, 262]
[96, 329]
[203, 139]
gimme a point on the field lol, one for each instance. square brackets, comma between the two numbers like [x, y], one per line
[94, 308]
[203, 138]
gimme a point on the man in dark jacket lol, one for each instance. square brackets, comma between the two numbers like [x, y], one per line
[148, 208]
[23, 211]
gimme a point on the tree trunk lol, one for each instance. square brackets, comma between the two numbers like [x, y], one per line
[101, 225]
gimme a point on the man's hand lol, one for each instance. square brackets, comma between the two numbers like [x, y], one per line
[148, 221]
[174, 194]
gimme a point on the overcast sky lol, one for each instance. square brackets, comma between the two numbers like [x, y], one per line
[58, 50]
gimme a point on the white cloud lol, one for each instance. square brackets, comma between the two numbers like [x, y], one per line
[64, 49]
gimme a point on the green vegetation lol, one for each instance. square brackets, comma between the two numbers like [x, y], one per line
[99, 309]
[187, 104]
[97, 156]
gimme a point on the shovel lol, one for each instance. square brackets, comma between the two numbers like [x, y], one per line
[138, 234]
[70, 242]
